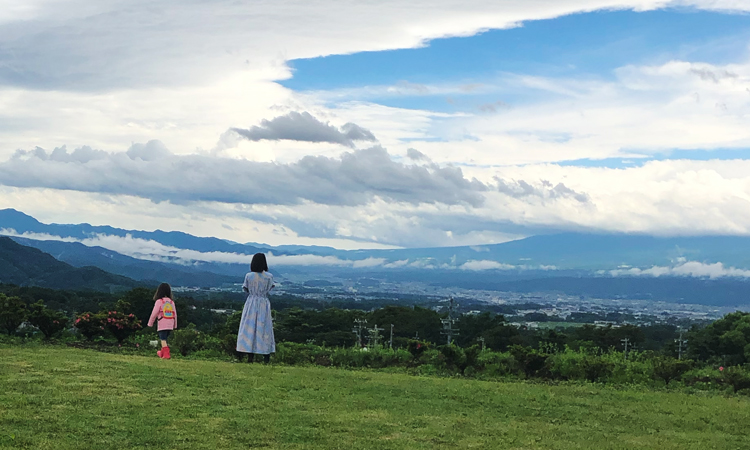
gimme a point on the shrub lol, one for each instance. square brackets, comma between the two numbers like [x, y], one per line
[703, 378]
[454, 357]
[227, 334]
[294, 354]
[89, 325]
[634, 370]
[496, 364]
[738, 377]
[12, 313]
[531, 361]
[667, 368]
[186, 340]
[49, 322]
[121, 325]
[579, 365]
[416, 348]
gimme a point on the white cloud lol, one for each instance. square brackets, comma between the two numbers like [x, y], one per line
[685, 269]
[485, 264]
[154, 251]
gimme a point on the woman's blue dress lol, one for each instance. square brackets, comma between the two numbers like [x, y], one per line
[256, 327]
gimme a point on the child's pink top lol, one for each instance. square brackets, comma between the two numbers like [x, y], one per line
[164, 324]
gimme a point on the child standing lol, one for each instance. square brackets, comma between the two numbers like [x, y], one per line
[166, 314]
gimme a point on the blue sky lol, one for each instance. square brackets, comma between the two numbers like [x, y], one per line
[589, 46]
[388, 130]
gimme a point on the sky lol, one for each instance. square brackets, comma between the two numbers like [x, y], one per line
[378, 124]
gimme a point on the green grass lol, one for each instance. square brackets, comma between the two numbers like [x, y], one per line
[62, 398]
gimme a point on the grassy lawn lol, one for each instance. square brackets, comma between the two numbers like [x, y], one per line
[62, 398]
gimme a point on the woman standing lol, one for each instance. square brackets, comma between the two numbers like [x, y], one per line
[256, 327]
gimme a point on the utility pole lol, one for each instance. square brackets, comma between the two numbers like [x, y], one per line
[373, 339]
[448, 330]
[391, 343]
[680, 343]
[481, 339]
[359, 326]
[625, 341]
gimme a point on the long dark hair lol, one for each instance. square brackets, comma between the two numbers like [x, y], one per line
[259, 263]
[164, 290]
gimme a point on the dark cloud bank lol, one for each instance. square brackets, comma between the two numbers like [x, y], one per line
[151, 171]
[304, 127]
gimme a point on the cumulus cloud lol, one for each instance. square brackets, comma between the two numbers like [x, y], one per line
[485, 264]
[304, 127]
[685, 269]
[354, 178]
[416, 155]
[521, 188]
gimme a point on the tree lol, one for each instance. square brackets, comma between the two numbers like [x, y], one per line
[725, 340]
[472, 326]
[138, 301]
[12, 313]
[49, 321]
[502, 337]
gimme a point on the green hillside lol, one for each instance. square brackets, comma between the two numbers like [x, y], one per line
[28, 266]
[61, 398]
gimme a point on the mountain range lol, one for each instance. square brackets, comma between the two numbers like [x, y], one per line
[24, 265]
[580, 264]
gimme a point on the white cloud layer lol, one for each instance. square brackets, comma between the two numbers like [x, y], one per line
[685, 269]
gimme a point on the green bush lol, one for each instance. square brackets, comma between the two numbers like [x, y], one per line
[737, 377]
[453, 357]
[579, 365]
[532, 362]
[703, 378]
[416, 348]
[49, 322]
[185, 340]
[301, 354]
[12, 313]
[634, 370]
[496, 364]
[667, 368]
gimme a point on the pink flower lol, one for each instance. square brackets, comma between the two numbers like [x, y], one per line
[137, 345]
[721, 369]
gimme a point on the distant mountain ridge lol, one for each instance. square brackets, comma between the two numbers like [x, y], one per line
[79, 255]
[28, 266]
[572, 263]
[566, 251]
[22, 223]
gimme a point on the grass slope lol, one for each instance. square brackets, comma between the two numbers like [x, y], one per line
[62, 398]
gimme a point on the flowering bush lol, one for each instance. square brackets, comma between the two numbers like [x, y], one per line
[89, 324]
[121, 325]
[416, 348]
